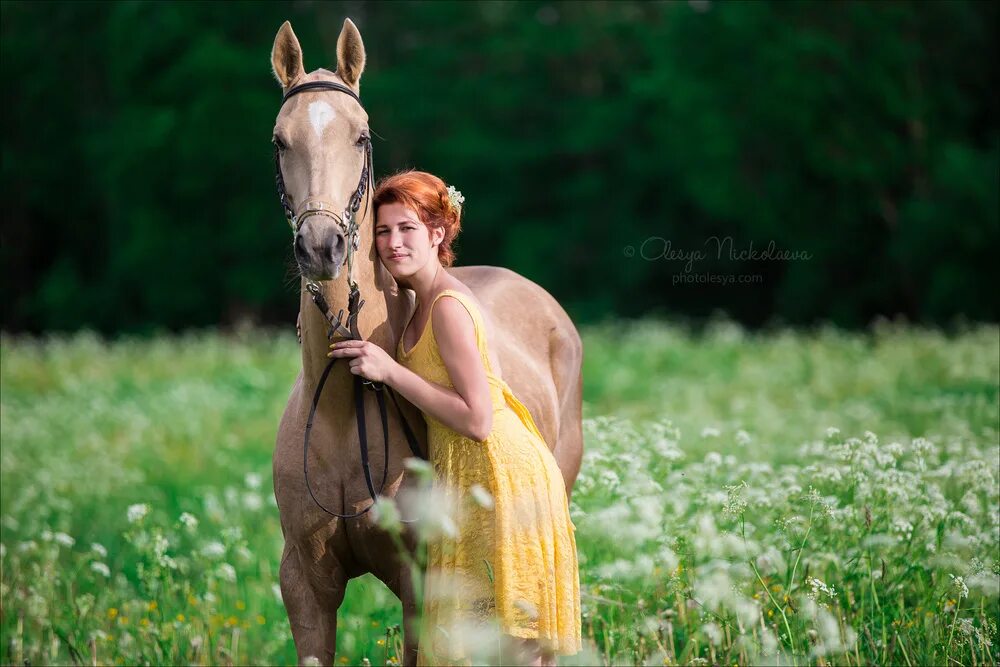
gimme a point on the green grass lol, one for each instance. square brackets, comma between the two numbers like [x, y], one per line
[812, 494]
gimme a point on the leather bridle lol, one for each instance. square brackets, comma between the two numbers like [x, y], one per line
[348, 223]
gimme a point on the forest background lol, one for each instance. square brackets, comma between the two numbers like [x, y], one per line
[860, 139]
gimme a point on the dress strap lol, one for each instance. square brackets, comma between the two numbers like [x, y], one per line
[516, 405]
[476, 321]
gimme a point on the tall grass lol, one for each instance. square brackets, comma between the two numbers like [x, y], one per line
[785, 497]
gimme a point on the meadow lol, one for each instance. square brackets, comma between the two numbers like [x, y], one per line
[796, 497]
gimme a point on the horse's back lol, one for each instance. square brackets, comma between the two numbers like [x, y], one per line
[538, 345]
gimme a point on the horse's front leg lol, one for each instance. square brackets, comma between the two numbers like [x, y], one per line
[407, 595]
[400, 580]
[312, 608]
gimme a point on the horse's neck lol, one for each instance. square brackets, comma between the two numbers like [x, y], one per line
[380, 320]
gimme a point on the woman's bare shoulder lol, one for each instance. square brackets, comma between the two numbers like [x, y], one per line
[456, 285]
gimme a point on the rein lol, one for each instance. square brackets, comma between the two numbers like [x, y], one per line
[349, 225]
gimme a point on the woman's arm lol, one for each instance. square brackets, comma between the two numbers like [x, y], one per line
[468, 408]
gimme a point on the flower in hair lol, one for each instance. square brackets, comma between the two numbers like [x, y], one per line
[455, 197]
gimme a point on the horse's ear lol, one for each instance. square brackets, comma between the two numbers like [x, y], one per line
[350, 55]
[286, 56]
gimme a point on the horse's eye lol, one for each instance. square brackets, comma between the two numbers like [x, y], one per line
[363, 139]
[279, 143]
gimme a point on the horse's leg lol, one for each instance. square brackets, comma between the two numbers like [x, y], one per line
[312, 616]
[403, 586]
[566, 357]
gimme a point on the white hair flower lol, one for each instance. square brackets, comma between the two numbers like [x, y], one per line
[455, 197]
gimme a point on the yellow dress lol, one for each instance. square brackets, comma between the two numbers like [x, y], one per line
[511, 566]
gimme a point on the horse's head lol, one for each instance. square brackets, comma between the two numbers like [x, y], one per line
[322, 147]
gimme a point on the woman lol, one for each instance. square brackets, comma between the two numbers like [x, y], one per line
[513, 560]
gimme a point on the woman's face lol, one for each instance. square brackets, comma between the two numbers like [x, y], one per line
[404, 244]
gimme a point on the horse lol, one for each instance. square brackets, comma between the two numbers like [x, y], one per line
[320, 137]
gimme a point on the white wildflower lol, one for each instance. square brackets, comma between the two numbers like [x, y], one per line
[736, 504]
[923, 447]
[386, 514]
[818, 587]
[714, 633]
[252, 501]
[902, 527]
[252, 480]
[447, 526]
[832, 431]
[137, 512]
[527, 608]
[64, 539]
[960, 586]
[99, 549]
[227, 572]
[25, 547]
[713, 459]
[421, 468]
[743, 438]
[609, 479]
[213, 550]
[481, 496]
[188, 520]
[710, 432]
[100, 568]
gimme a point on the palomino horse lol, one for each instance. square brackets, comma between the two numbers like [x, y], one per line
[321, 135]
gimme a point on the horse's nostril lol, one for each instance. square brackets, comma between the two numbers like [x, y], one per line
[299, 243]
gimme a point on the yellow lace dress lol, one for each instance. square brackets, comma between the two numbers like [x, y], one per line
[511, 565]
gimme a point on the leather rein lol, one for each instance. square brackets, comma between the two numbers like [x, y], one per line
[348, 223]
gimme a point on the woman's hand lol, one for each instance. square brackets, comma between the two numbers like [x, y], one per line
[366, 359]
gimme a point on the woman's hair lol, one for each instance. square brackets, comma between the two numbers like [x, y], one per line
[427, 196]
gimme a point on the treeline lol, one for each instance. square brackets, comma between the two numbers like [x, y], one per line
[797, 162]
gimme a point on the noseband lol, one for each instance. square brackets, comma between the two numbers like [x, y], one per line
[348, 224]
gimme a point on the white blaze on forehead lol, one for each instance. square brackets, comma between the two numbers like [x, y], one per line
[320, 115]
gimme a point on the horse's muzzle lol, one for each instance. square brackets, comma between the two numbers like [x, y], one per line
[320, 248]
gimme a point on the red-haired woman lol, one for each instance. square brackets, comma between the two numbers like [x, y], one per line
[512, 561]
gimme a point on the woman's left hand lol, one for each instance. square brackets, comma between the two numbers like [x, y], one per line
[366, 359]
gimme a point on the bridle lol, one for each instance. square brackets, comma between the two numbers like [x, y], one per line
[348, 223]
